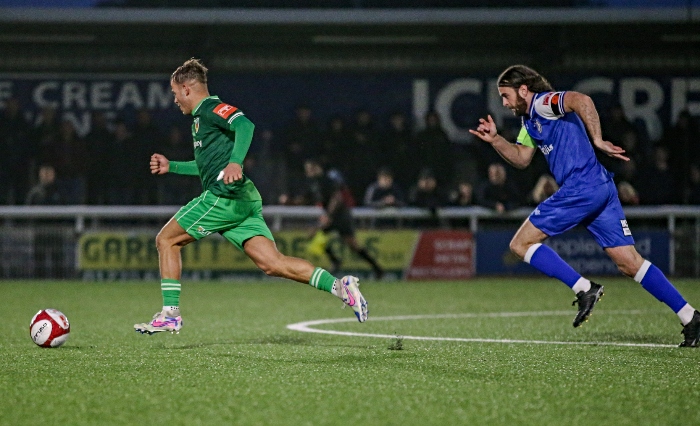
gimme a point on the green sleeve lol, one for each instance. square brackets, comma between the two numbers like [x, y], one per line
[184, 168]
[525, 139]
[244, 136]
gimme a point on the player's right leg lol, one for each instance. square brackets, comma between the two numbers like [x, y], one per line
[263, 252]
[527, 244]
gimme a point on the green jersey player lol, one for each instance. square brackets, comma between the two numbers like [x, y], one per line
[229, 205]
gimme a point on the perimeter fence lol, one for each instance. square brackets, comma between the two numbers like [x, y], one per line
[48, 242]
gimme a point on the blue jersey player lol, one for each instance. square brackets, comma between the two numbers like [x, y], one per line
[559, 125]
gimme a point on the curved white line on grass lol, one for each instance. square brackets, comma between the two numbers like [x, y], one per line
[306, 327]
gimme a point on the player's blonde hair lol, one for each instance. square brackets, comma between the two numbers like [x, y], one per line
[192, 69]
[517, 75]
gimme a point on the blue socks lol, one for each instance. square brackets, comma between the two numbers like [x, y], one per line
[547, 261]
[654, 281]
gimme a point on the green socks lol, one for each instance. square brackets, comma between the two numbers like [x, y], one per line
[171, 292]
[322, 280]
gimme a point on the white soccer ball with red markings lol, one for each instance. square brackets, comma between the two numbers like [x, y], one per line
[49, 328]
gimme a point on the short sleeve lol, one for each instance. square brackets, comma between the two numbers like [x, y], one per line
[550, 105]
[525, 139]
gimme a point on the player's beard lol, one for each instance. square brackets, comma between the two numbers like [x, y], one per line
[520, 107]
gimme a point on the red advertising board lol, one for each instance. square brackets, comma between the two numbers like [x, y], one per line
[445, 255]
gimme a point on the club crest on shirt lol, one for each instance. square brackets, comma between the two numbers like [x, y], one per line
[196, 125]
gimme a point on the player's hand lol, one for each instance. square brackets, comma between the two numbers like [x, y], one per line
[486, 131]
[611, 150]
[159, 164]
[233, 173]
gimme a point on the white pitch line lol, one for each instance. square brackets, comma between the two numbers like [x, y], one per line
[306, 327]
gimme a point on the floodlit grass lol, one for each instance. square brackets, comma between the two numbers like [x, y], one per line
[235, 361]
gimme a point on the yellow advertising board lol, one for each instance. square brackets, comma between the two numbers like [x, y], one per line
[124, 251]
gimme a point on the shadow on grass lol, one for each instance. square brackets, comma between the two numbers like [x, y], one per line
[283, 339]
[74, 348]
[630, 338]
[265, 340]
[197, 345]
[279, 339]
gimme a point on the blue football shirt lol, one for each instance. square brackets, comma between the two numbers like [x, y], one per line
[562, 138]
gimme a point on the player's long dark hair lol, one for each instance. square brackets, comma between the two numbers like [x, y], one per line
[517, 75]
[192, 69]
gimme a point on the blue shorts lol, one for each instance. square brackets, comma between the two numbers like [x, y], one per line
[597, 208]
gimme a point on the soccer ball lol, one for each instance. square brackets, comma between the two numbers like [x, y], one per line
[49, 328]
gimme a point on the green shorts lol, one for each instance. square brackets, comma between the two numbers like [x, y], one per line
[236, 220]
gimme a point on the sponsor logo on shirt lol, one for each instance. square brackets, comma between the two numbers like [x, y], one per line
[197, 144]
[224, 110]
[546, 149]
[538, 125]
[625, 228]
[203, 231]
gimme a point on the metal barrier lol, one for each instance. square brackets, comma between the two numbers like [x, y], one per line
[39, 241]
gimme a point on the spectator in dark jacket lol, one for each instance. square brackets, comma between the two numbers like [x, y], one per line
[384, 192]
[432, 148]
[497, 192]
[463, 195]
[655, 183]
[693, 193]
[45, 192]
[426, 193]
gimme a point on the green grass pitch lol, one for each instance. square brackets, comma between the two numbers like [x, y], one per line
[235, 361]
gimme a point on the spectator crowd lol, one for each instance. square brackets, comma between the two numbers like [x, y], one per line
[390, 164]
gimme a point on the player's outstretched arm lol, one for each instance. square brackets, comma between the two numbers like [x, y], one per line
[160, 165]
[518, 156]
[584, 107]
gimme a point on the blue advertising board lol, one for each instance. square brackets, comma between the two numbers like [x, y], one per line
[269, 99]
[576, 247]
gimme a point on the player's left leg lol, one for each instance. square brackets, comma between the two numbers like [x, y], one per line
[169, 241]
[263, 252]
[556, 215]
[527, 244]
[653, 280]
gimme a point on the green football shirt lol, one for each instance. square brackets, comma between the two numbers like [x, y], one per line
[221, 134]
